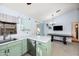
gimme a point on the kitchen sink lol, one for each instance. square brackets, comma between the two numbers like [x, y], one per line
[7, 40]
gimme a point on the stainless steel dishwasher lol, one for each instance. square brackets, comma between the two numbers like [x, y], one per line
[31, 46]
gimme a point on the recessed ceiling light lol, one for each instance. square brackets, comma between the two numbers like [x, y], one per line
[52, 14]
[77, 8]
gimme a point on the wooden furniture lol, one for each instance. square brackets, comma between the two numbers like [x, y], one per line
[60, 35]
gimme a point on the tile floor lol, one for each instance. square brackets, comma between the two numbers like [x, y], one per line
[59, 49]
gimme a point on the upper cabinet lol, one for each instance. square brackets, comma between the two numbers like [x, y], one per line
[27, 24]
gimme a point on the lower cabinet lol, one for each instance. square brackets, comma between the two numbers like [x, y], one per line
[3, 52]
[15, 50]
[20, 47]
[11, 49]
[43, 49]
[24, 46]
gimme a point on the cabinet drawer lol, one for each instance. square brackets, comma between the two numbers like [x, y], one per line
[42, 44]
[15, 50]
[3, 46]
[14, 43]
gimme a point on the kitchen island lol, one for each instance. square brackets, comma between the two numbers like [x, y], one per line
[21, 46]
[42, 45]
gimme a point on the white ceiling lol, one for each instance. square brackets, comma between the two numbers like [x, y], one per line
[41, 10]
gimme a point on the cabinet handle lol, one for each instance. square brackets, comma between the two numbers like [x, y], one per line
[39, 43]
[8, 50]
[5, 51]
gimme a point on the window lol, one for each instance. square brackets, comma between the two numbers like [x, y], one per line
[7, 28]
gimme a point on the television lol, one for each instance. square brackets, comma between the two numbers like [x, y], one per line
[58, 28]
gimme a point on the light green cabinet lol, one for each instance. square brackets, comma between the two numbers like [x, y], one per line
[43, 49]
[3, 53]
[18, 48]
[3, 50]
[11, 49]
[24, 46]
[14, 50]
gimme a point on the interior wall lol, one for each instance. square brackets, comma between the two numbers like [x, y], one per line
[65, 20]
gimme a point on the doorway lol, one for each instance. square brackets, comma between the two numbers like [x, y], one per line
[75, 31]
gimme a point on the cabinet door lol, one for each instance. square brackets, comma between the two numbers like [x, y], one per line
[24, 46]
[41, 50]
[14, 50]
[49, 53]
[3, 49]
[3, 53]
[25, 23]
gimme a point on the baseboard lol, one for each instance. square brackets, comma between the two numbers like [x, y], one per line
[24, 54]
[75, 41]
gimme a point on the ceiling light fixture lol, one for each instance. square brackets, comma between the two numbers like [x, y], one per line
[58, 10]
[29, 3]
